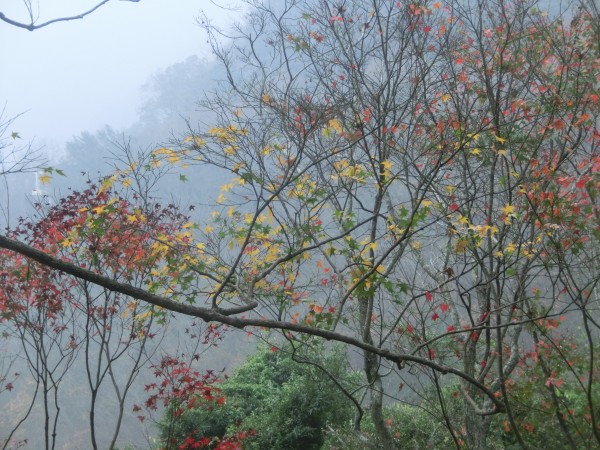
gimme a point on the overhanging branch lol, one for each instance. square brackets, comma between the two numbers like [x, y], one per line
[225, 316]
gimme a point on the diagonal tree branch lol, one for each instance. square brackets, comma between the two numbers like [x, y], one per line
[225, 316]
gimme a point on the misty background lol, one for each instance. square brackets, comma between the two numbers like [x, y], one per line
[131, 72]
[80, 75]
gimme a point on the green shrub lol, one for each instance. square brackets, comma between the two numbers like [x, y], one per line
[281, 403]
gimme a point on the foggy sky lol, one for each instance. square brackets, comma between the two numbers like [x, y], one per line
[77, 76]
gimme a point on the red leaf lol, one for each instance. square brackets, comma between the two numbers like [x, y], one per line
[453, 207]
[435, 317]
[428, 296]
[582, 182]
[444, 307]
[367, 115]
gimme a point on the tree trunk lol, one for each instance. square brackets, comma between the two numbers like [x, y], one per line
[476, 425]
[371, 368]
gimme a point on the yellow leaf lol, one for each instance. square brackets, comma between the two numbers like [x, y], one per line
[208, 229]
[99, 209]
[500, 139]
[461, 245]
[463, 220]
[266, 98]
[335, 124]
[132, 218]
[44, 178]
[508, 209]
[446, 97]
[195, 140]
[387, 166]
[509, 212]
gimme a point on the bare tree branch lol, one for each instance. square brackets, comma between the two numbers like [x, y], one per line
[31, 26]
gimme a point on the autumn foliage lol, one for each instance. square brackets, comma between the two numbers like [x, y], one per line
[416, 180]
[180, 388]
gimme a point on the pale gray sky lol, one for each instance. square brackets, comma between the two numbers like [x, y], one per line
[79, 75]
